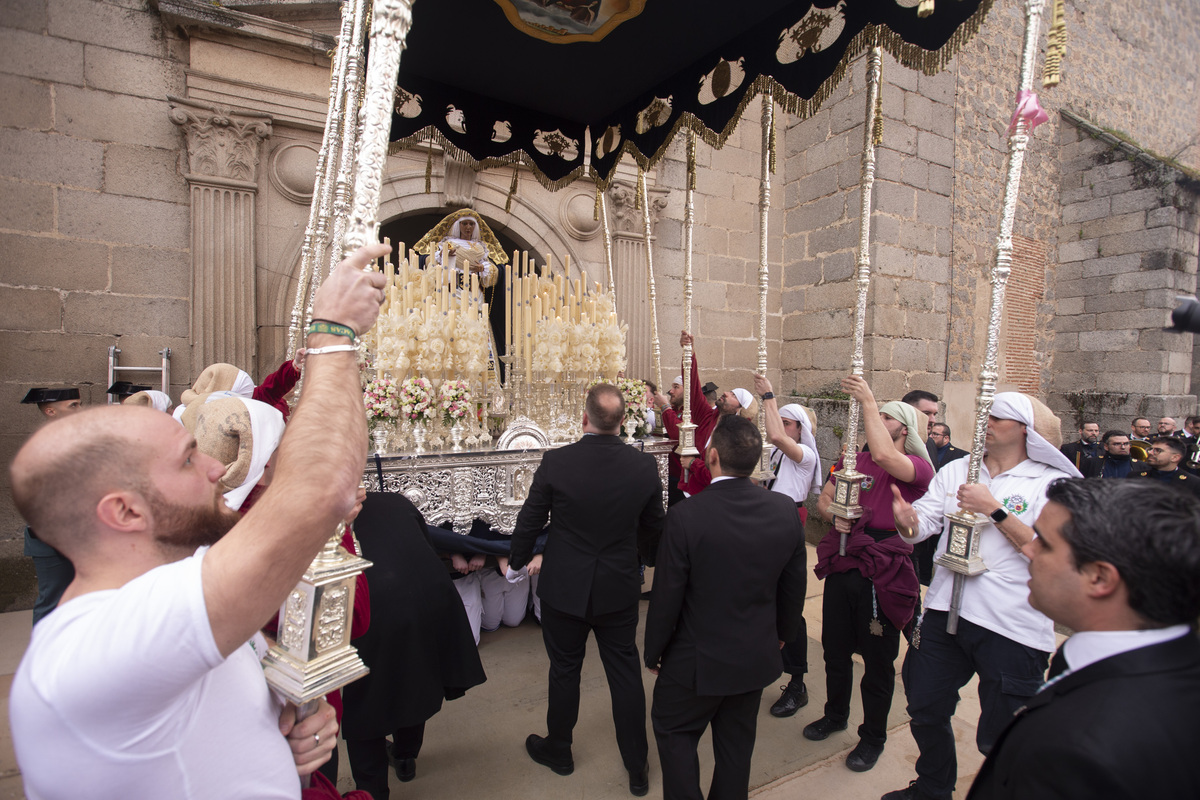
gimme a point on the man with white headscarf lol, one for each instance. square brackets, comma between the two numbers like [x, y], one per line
[1000, 636]
[797, 469]
[871, 591]
[464, 247]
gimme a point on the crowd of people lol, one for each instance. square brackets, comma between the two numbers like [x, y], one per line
[192, 527]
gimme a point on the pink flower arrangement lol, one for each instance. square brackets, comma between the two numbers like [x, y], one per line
[380, 400]
[416, 399]
[454, 400]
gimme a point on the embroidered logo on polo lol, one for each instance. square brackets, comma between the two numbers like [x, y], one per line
[867, 483]
[1015, 504]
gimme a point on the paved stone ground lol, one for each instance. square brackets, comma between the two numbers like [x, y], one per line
[475, 746]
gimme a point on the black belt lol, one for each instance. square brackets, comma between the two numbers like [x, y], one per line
[879, 534]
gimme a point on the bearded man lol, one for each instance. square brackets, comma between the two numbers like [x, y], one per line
[146, 681]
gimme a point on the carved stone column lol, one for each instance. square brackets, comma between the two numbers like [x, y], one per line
[223, 151]
[629, 272]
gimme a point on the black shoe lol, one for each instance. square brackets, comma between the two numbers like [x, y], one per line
[864, 756]
[910, 792]
[406, 769]
[816, 731]
[794, 698]
[540, 750]
[639, 782]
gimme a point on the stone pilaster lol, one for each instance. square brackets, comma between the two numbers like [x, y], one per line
[629, 272]
[223, 153]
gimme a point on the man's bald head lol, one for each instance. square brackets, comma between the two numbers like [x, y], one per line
[64, 469]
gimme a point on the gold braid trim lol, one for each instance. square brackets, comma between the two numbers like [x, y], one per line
[429, 170]
[909, 55]
[596, 209]
[637, 195]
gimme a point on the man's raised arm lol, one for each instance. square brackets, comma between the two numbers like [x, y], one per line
[320, 460]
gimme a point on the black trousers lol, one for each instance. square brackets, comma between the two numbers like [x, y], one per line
[847, 614]
[680, 717]
[1009, 674]
[795, 654]
[616, 638]
[369, 758]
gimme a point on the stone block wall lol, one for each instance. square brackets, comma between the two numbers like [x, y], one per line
[908, 299]
[1128, 247]
[94, 211]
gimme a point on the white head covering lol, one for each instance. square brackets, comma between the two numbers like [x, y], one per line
[744, 398]
[799, 413]
[152, 398]
[240, 433]
[456, 232]
[678, 379]
[1022, 408]
[914, 445]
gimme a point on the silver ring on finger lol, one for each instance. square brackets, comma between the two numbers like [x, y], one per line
[317, 737]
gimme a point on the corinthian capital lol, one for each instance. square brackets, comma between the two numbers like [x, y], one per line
[625, 217]
[220, 143]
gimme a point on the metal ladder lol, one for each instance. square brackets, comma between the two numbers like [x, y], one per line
[114, 367]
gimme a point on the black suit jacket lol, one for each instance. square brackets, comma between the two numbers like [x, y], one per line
[1079, 453]
[952, 454]
[1123, 727]
[729, 585]
[603, 498]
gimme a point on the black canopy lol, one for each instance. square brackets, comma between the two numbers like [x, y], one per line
[496, 91]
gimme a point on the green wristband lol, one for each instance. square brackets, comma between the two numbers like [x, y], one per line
[337, 329]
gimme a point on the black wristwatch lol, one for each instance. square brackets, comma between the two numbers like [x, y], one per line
[999, 515]
[768, 396]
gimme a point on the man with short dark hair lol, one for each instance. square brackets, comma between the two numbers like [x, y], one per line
[1114, 461]
[924, 402]
[1120, 716]
[943, 452]
[145, 682]
[1163, 458]
[1088, 445]
[1191, 427]
[603, 501]
[1139, 429]
[728, 591]
[732, 401]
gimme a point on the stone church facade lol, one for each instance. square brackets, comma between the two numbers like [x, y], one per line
[156, 167]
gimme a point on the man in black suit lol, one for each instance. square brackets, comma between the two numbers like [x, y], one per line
[942, 452]
[604, 501]
[1088, 445]
[1120, 716]
[728, 592]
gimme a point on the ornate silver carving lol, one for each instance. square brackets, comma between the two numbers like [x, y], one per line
[764, 208]
[488, 485]
[964, 561]
[687, 428]
[608, 258]
[220, 143]
[313, 655]
[848, 480]
[390, 22]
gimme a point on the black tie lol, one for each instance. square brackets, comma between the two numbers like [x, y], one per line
[1058, 665]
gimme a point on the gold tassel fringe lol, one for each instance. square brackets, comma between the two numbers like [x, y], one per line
[429, 170]
[925, 8]
[596, 209]
[637, 196]
[1056, 46]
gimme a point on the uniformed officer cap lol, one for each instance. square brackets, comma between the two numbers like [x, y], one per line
[40, 395]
